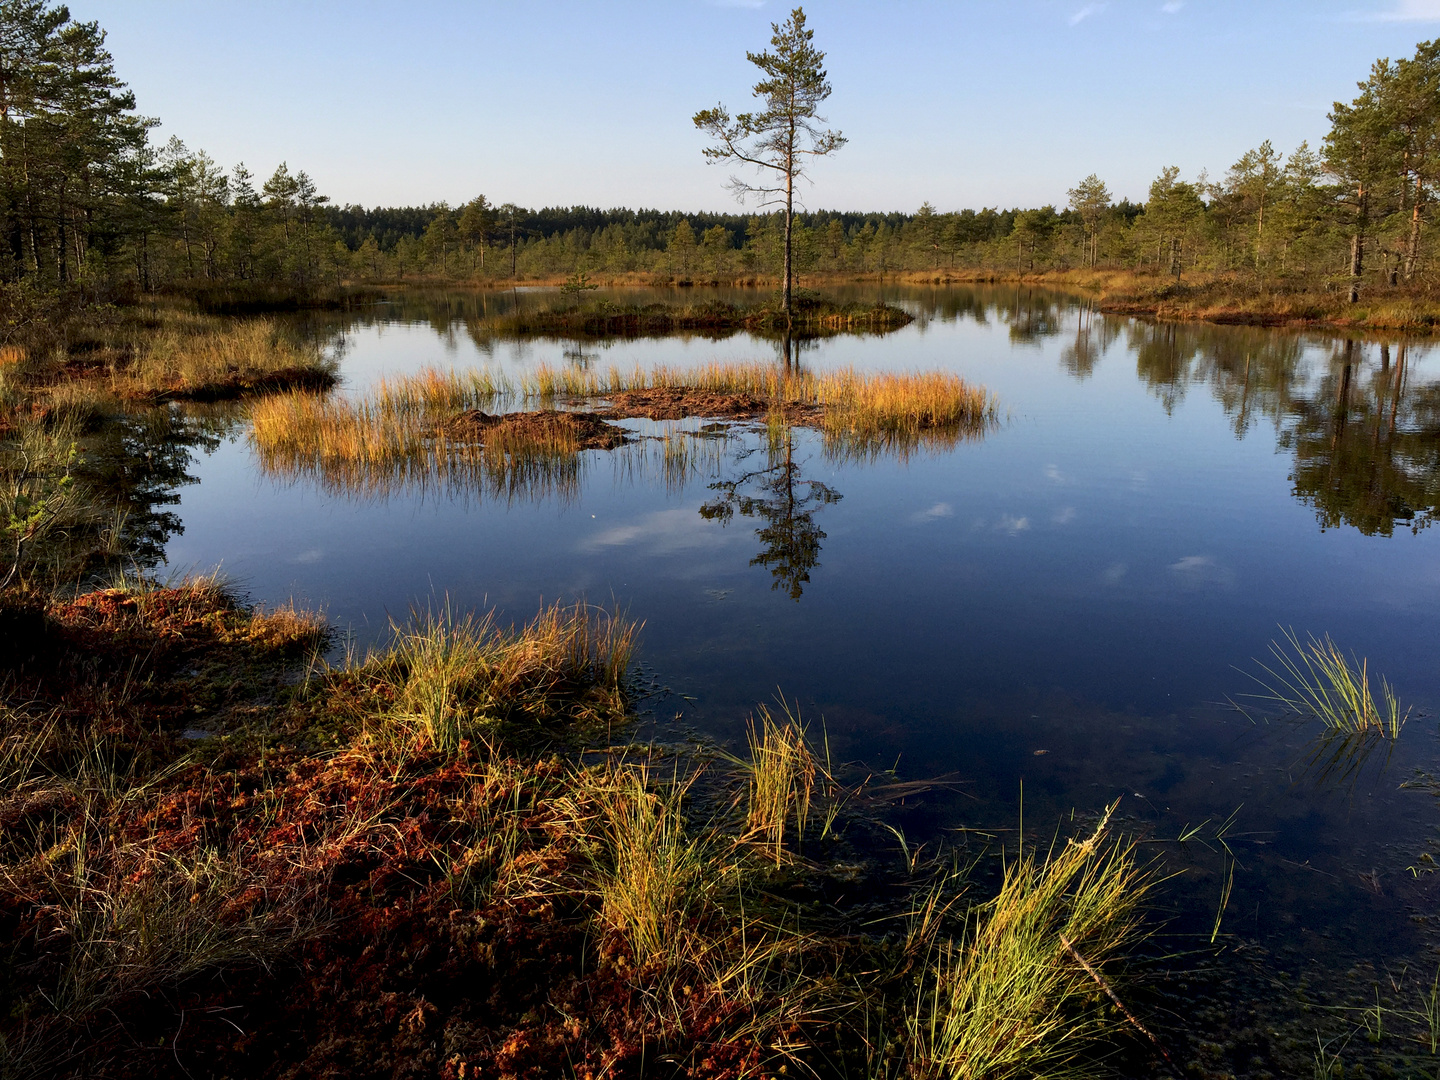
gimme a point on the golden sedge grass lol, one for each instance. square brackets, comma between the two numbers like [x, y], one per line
[399, 438]
[675, 898]
[1315, 678]
[649, 871]
[452, 678]
[190, 353]
[855, 403]
[782, 774]
[401, 434]
[1011, 997]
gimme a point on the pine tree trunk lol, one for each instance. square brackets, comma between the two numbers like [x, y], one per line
[1357, 244]
[1357, 250]
[789, 224]
[1412, 251]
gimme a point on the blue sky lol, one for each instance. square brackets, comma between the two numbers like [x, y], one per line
[971, 103]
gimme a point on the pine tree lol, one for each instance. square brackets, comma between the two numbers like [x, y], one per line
[777, 139]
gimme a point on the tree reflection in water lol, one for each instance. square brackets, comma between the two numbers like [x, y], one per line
[1363, 435]
[786, 501]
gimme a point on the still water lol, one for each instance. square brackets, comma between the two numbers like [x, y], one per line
[1066, 605]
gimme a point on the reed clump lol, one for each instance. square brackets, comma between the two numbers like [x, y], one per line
[901, 411]
[1315, 678]
[677, 924]
[204, 358]
[397, 420]
[650, 872]
[1015, 994]
[414, 432]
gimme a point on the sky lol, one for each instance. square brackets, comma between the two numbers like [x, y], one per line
[969, 103]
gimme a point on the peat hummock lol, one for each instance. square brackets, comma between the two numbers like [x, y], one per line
[577, 430]
[683, 402]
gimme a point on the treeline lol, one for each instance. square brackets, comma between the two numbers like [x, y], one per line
[85, 197]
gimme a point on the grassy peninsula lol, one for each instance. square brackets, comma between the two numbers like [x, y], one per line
[1224, 298]
[811, 315]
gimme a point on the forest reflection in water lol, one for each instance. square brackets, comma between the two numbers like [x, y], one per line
[129, 472]
[1362, 431]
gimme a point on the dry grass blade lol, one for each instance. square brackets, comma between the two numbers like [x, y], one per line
[164, 920]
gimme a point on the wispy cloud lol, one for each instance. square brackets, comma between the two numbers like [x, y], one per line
[1196, 571]
[1402, 11]
[1085, 13]
[1192, 564]
[935, 513]
[1008, 523]
[662, 532]
[1172, 7]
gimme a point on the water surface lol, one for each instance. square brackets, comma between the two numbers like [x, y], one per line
[1066, 604]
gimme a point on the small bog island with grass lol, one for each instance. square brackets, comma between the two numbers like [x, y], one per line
[471, 641]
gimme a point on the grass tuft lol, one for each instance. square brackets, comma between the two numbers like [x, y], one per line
[1315, 678]
[782, 774]
[649, 869]
[1014, 995]
[204, 358]
[449, 678]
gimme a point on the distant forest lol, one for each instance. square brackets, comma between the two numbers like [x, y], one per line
[87, 199]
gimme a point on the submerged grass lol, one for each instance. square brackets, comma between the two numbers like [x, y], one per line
[1315, 678]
